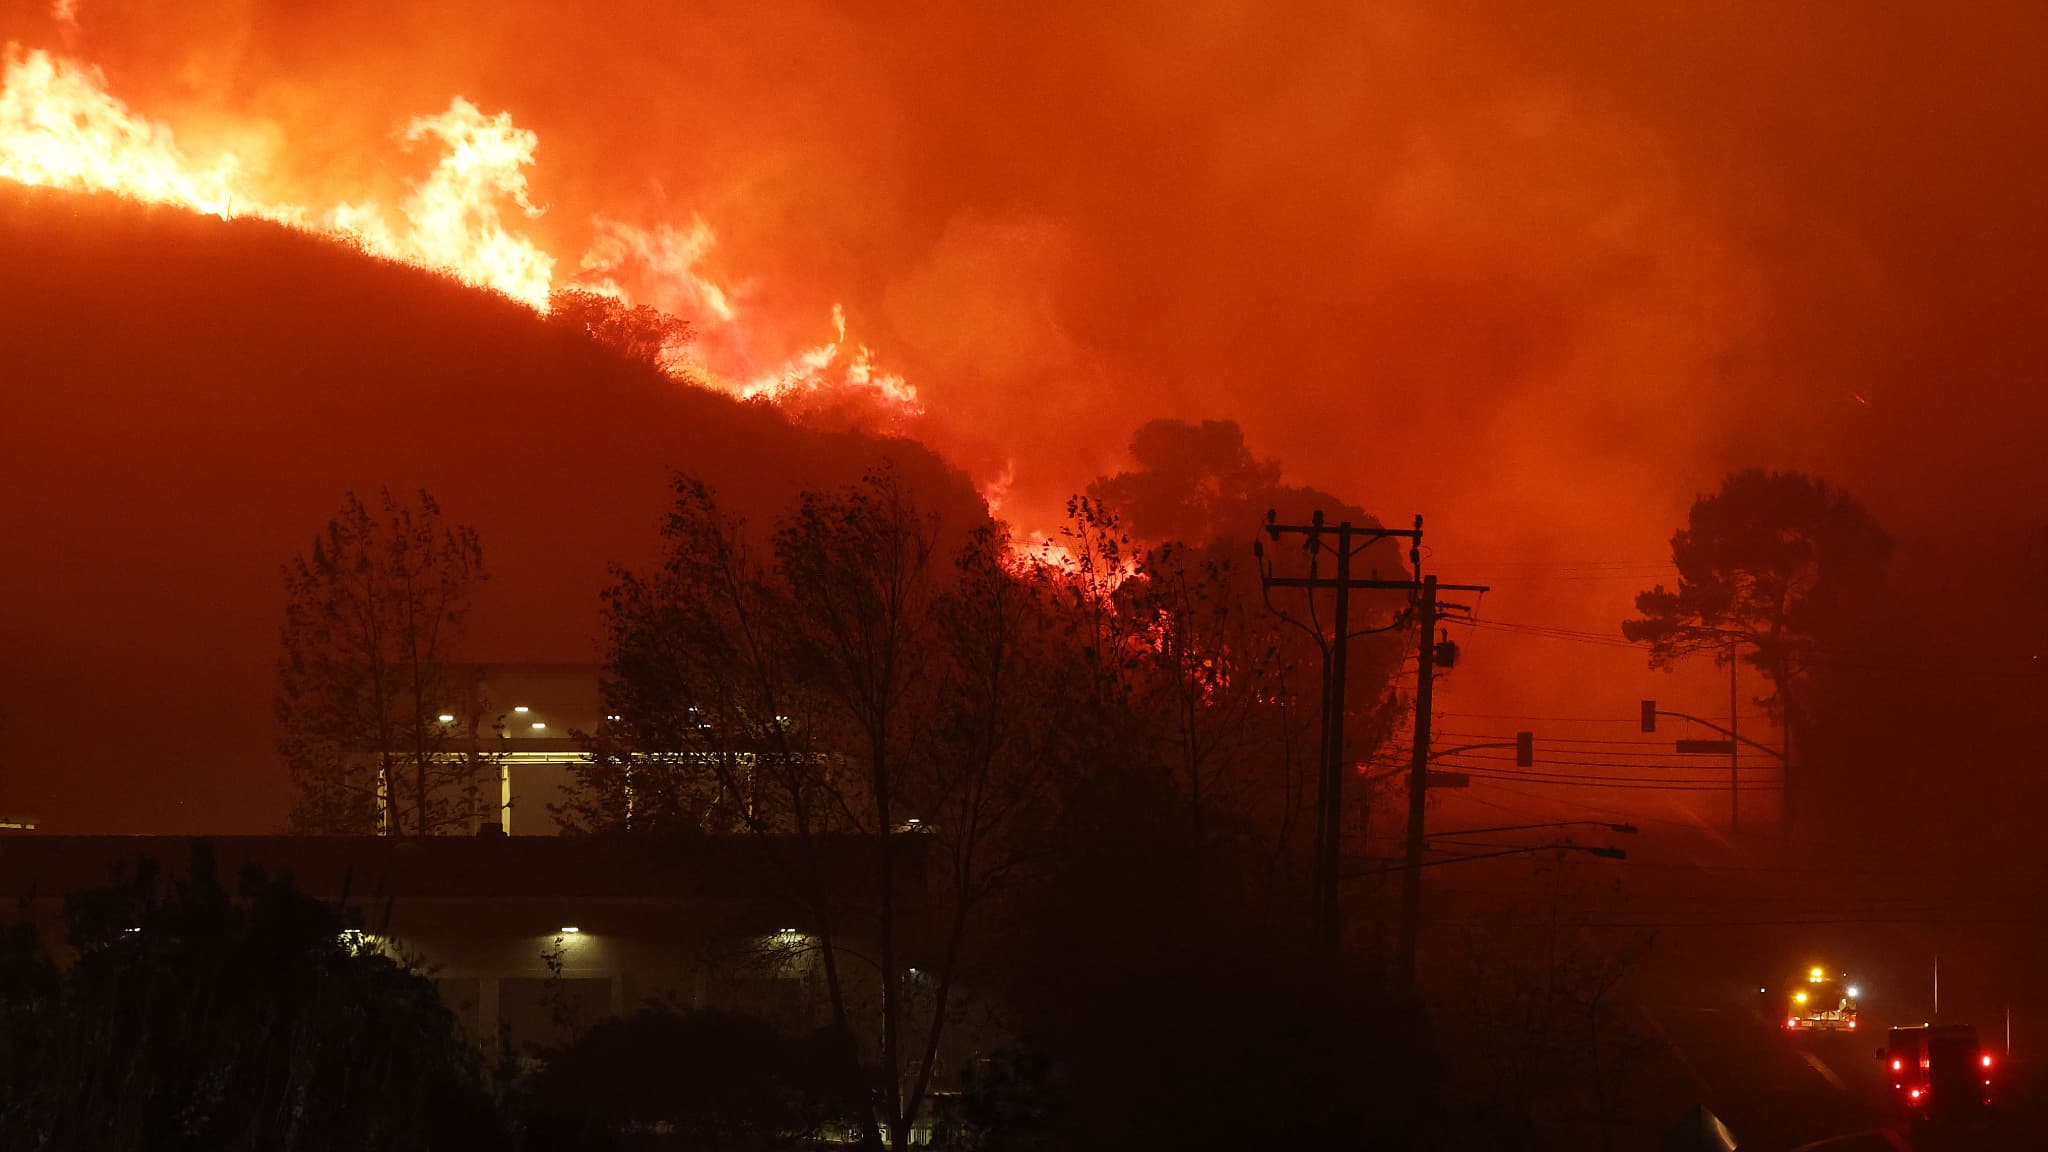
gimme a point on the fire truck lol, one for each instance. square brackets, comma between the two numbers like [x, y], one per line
[1939, 1071]
[1821, 1002]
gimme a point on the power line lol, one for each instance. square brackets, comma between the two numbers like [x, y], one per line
[1551, 719]
[1549, 804]
[1621, 757]
[1636, 765]
[1663, 746]
[1498, 562]
[1810, 649]
[1608, 782]
[1551, 632]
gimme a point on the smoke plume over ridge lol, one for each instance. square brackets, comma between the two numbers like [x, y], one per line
[1487, 241]
[1542, 277]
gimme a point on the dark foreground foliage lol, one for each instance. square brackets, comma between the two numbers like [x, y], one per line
[192, 1018]
[666, 1079]
[1156, 1014]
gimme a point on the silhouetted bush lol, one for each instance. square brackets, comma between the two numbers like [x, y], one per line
[666, 1079]
[192, 1019]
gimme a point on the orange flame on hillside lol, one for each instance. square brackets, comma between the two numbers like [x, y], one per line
[61, 128]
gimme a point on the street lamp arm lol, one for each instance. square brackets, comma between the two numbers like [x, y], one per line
[1609, 852]
[1623, 828]
[1472, 747]
[1385, 773]
[1701, 720]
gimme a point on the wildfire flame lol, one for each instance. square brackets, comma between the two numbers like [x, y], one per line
[61, 128]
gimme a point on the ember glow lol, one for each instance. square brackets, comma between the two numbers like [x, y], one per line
[60, 127]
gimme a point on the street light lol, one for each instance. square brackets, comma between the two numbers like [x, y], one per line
[1627, 829]
[1524, 745]
[1605, 852]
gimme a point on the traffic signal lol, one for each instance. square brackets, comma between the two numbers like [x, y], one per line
[1649, 715]
[1525, 749]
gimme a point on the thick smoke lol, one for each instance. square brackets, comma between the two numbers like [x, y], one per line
[1543, 277]
[1484, 265]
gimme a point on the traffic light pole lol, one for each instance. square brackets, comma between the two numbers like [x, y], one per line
[1735, 740]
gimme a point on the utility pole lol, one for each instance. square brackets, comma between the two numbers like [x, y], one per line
[1418, 776]
[1332, 839]
[1350, 539]
[1426, 609]
[1734, 774]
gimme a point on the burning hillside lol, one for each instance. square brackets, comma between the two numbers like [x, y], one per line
[166, 449]
[60, 127]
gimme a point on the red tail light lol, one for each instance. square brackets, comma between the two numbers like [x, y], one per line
[1897, 1065]
[1791, 1021]
[1987, 1060]
[1917, 1093]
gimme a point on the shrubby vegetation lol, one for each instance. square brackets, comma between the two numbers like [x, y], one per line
[193, 1016]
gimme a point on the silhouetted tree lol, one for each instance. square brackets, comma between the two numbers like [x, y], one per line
[370, 615]
[1192, 483]
[1536, 1041]
[1781, 564]
[1232, 690]
[192, 1018]
[844, 681]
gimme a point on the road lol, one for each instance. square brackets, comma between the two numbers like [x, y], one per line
[1808, 1091]
[1725, 934]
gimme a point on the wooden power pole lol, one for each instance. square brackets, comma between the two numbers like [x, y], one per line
[1343, 542]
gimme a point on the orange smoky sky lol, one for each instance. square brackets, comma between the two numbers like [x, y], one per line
[1542, 273]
